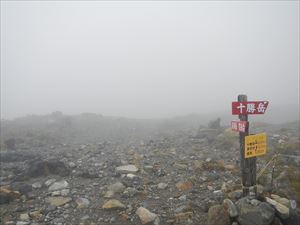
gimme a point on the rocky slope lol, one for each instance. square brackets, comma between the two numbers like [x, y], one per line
[143, 174]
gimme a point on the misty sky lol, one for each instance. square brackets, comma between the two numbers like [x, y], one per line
[146, 59]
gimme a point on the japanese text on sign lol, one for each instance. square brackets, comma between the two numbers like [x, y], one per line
[253, 107]
[239, 126]
[255, 145]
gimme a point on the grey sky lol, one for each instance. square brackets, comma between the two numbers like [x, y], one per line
[146, 59]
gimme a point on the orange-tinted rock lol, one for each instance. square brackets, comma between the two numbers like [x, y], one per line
[184, 186]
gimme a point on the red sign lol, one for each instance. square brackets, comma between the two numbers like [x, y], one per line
[253, 107]
[239, 126]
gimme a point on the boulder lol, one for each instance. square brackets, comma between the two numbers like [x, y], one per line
[44, 168]
[293, 219]
[254, 213]
[217, 215]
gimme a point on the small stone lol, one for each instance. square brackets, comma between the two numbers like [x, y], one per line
[145, 215]
[162, 186]
[7, 195]
[130, 192]
[218, 192]
[182, 198]
[127, 169]
[125, 217]
[183, 208]
[65, 192]
[113, 204]
[23, 223]
[184, 186]
[283, 201]
[36, 215]
[224, 187]
[72, 165]
[235, 195]
[183, 216]
[230, 167]
[109, 194]
[36, 185]
[293, 204]
[130, 176]
[117, 187]
[24, 217]
[56, 193]
[86, 217]
[58, 201]
[208, 160]
[59, 185]
[49, 182]
[82, 203]
[254, 202]
[211, 188]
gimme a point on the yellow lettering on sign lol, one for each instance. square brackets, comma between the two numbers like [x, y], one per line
[255, 145]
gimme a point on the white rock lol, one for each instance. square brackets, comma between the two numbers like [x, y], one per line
[56, 193]
[283, 211]
[36, 185]
[24, 217]
[127, 169]
[109, 194]
[65, 192]
[72, 165]
[22, 223]
[49, 182]
[162, 186]
[130, 175]
[182, 198]
[59, 185]
[146, 216]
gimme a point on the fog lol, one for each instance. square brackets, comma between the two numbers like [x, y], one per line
[147, 59]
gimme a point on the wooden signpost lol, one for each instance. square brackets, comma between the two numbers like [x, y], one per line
[250, 146]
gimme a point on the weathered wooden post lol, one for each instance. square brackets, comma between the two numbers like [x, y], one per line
[250, 145]
[248, 166]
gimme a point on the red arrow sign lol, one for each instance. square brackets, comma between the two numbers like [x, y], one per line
[239, 126]
[253, 107]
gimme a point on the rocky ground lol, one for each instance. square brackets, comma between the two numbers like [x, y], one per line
[190, 176]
